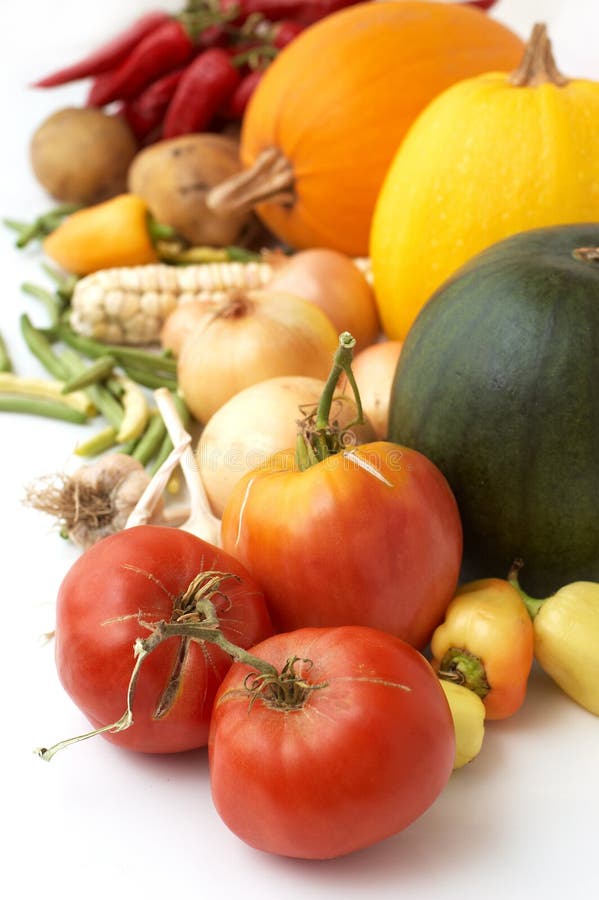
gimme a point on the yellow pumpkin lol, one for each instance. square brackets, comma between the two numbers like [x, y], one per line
[323, 124]
[493, 155]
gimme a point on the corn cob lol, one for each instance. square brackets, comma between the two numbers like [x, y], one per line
[129, 305]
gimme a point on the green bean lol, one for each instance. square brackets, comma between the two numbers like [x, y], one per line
[240, 254]
[51, 409]
[15, 225]
[128, 447]
[163, 451]
[65, 284]
[99, 395]
[40, 346]
[5, 360]
[45, 224]
[115, 387]
[97, 443]
[124, 354]
[151, 380]
[54, 305]
[150, 440]
[97, 372]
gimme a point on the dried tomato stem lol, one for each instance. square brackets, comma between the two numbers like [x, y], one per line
[198, 621]
[538, 64]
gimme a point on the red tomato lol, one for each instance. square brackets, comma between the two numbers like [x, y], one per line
[131, 578]
[366, 749]
[370, 536]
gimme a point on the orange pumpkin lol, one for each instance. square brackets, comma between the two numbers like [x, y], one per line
[327, 117]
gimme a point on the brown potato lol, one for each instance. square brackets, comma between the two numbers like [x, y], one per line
[173, 177]
[82, 155]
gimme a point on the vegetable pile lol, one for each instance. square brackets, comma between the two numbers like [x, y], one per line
[334, 500]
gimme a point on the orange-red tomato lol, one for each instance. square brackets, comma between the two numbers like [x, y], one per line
[352, 757]
[369, 536]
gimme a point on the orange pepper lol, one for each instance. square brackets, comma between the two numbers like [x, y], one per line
[486, 643]
[110, 234]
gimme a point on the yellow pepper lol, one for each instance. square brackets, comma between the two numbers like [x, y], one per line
[468, 714]
[486, 644]
[109, 234]
[566, 639]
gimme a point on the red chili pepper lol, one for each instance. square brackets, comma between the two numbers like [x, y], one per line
[482, 4]
[236, 105]
[145, 113]
[163, 50]
[206, 85]
[304, 11]
[109, 55]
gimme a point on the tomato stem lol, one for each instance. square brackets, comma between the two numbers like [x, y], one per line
[324, 440]
[196, 619]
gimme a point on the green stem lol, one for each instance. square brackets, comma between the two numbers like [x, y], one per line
[532, 604]
[323, 441]
[158, 231]
[464, 668]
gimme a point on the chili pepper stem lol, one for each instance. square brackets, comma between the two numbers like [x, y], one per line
[200, 623]
[464, 668]
[532, 604]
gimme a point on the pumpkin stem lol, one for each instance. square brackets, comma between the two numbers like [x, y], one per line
[270, 179]
[537, 65]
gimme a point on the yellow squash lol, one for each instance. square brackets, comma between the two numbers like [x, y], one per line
[491, 156]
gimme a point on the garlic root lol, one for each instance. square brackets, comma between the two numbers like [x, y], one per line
[95, 501]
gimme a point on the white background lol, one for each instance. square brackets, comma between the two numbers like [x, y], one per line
[519, 822]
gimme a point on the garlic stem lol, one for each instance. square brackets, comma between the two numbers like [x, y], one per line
[201, 521]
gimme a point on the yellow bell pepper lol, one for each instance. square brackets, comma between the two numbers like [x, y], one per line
[468, 714]
[110, 234]
[486, 644]
[566, 639]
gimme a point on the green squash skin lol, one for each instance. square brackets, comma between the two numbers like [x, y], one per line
[498, 384]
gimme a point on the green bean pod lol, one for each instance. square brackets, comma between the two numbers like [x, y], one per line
[150, 441]
[41, 348]
[5, 360]
[99, 371]
[35, 406]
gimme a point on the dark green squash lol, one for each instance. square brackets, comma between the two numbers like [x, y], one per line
[498, 384]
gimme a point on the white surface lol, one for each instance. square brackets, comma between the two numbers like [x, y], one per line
[519, 822]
